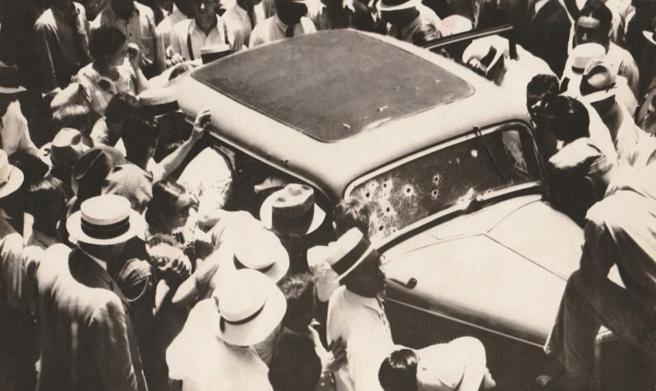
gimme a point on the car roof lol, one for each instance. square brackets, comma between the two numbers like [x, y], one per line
[297, 148]
[331, 86]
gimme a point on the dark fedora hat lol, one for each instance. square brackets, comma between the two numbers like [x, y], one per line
[10, 80]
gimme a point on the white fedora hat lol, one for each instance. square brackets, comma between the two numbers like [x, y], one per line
[256, 248]
[292, 209]
[598, 76]
[105, 220]
[11, 177]
[250, 306]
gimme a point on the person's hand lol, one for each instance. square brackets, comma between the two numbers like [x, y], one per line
[134, 55]
[171, 264]
[338, 359]
[201, 124]
[173, 57]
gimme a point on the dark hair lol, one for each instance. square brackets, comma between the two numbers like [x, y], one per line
[74, 116]
[426, 33]
[398, 372]
[598, 10]
[46, 201]
[121, 107]
[295, 365]
[351, 212]
[163, 204]
[567, 118]
[105, 41]
[90, 171]
[300, 294]
[543, 84]
[139, 135]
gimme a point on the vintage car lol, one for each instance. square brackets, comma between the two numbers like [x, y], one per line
[445, 159]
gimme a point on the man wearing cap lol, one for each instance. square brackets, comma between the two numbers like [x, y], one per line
[207, 28]
[290, 21]
[182, 10]
[62, 37]
[406, 17]
[17, 299]
[88, 341]
[137, 22]
[215, 351]
[355, 311]
[598, 88]
[243, 17]
[593, 26]
[14, 133]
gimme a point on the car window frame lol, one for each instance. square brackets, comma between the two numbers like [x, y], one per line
[447, 213]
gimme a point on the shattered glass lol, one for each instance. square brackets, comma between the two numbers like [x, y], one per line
[414, 190]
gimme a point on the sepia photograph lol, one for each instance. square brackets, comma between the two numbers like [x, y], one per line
[327, 195]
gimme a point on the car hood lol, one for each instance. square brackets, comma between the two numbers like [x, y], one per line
[502, 268]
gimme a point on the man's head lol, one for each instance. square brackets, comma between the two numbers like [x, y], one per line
[120, 108]
[368, 278]
[594, 24]
[598, 86]
[9, 86]
[123, 8]
[398, 371]
[300, 292]
[186, 7]
[290, 11]
[351, 212]
[140, 139]
[540, 87]
[108, 45]
[205, 11]
[566, 118]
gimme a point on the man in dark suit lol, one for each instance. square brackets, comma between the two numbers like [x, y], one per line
[547, 32]
[87, 336]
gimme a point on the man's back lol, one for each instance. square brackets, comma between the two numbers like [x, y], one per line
[84, 329]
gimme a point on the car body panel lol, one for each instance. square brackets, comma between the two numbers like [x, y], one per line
[477, 278]
[278, 144]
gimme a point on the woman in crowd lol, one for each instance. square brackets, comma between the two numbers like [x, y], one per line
[109, 73]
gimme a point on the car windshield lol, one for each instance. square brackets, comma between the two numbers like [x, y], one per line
[475, 165]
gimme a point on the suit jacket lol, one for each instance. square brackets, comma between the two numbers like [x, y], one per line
[87, 339]
[547, 35]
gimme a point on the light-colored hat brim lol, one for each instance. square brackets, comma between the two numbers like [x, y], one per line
[258, 329]
[14, 183]
[599, 95]
[357, 263]
[74, 227]
[226, 254]
[398, 7]
[266, 215]
[649, 35]
[12, 90]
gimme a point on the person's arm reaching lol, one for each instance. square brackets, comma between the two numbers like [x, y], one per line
[140, 81]
[171, 162]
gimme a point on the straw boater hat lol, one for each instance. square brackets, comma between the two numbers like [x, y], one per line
[254, 248]
[292, 210]
[598, 78]
[249, 307]
[157, 101]
[105, 220]
[11, 177]
[348, 252]
[397, 5]
[65, 148]
[10, 80]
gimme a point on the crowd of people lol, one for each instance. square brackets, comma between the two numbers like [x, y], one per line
[134, 257]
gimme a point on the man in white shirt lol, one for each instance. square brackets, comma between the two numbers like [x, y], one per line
[14, 134]
[137, 22]
[182, 10]
[356, 313]
[291, 21]
[243, 17]
[206, 29]
[406, 17]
